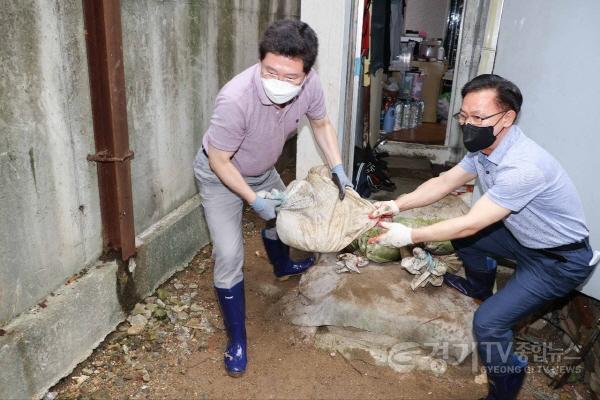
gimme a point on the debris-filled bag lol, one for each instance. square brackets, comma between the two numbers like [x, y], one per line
[313, 218]
[446, 208]
[375, 252]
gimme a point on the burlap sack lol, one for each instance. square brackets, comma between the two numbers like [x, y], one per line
[313, 218]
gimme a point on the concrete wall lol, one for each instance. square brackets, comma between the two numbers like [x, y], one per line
[549, 49]
[331, 64]
[177, 54]
[49, 213]
[430, 16]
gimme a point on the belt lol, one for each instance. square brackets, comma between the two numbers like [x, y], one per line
[570, 247]
[551, 251]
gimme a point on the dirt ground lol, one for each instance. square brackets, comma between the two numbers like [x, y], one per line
[181, 359]
[178, 353]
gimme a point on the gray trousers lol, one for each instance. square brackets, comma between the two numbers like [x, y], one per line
[223, 212]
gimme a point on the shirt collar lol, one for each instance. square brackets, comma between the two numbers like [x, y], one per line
[511, 137]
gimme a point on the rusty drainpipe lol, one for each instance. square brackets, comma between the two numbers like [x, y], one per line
[102, 25]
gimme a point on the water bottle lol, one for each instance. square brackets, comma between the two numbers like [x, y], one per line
[398, 119]
[414, 114]
[388, 120]
[405, 115]
[421, 109]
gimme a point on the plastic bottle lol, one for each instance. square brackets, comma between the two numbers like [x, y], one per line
[388, 120]
[398, 116]
[414, 114]
[417, 87]
[421, 109]
[405, 115]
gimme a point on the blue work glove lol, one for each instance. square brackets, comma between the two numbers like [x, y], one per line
[265, 208]
[338, 175]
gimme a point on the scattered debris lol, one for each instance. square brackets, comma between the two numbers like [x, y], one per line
[80, 379]
[427, 269]
[538, 325]
[348, 262]
[481, 379]
[163, 294]
[50, 396]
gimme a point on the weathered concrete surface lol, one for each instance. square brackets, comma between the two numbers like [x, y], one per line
[380, 349]
[380, 300]
[49, 214]
[177, 55]
[45, 344]
[169, 245]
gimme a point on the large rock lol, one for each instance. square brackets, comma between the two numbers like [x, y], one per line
[380, 300]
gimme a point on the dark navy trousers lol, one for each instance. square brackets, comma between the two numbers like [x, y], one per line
[538, 278]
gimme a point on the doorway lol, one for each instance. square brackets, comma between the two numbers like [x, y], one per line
[409, 68]
[443, 44]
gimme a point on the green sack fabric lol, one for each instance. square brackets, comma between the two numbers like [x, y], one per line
[444, 247]
[374, 252]
[446, 208]
[381, 254]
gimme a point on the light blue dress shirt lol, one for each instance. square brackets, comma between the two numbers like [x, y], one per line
[523, 177]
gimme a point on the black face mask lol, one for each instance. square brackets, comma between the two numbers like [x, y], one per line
[477, 138]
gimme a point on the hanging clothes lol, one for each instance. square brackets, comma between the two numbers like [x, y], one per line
[397, 8]
[366, 30]
[380, 35]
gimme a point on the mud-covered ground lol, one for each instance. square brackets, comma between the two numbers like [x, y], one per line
[172, 348]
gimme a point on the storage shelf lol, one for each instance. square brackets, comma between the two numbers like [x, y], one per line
[426, 133]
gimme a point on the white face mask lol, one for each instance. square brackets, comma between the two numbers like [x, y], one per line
[280, 92]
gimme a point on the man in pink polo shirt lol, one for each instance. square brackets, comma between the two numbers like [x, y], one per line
[255, 113]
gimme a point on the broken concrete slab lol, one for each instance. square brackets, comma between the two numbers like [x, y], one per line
[380, 300]
[45, 344]
[356, 344]
[381, 350]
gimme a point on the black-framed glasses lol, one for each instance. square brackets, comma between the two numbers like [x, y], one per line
[462, 118]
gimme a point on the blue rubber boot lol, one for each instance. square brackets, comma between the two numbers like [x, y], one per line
[279, 255]
[233, 308]
[506, 386]
[478, 284]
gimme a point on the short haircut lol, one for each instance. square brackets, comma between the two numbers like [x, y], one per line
[290, 38]
[508, 95]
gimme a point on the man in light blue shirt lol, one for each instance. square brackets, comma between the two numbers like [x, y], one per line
[530, 213]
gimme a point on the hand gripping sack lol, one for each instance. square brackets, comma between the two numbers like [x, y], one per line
[313, 218]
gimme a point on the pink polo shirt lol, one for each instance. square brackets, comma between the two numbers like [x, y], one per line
[246, 122]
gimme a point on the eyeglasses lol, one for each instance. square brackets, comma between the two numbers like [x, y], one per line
[477, 120]
[294, 81]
